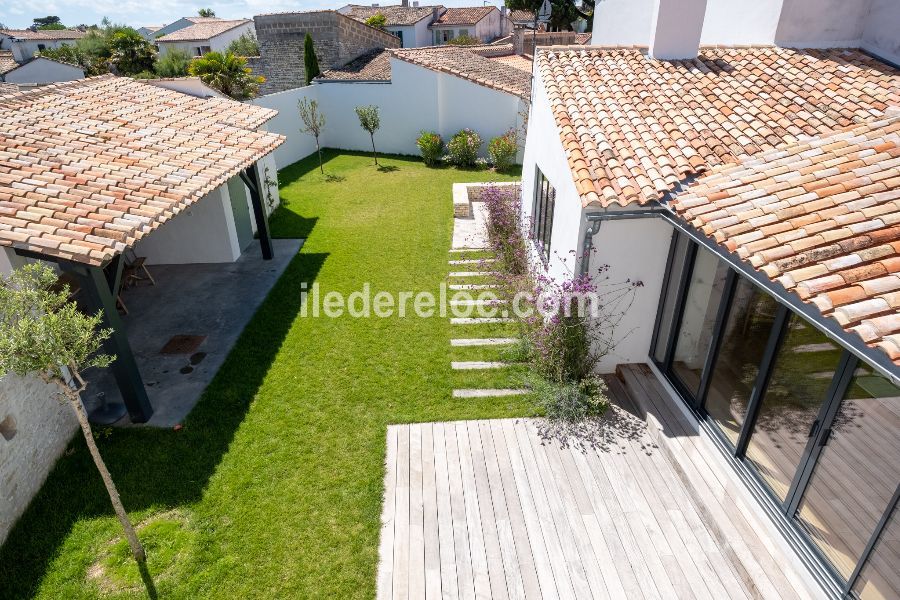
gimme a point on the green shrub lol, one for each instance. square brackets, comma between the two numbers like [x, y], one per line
[502, 150]
[174, 63]
[378, 21]
[246, 45]
[431, 145]
[570, 401]
[465, 40]
[463, 148]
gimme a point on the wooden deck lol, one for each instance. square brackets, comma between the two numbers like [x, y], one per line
[506, 509]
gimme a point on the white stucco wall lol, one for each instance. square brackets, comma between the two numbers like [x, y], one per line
[217, 43]
[201, 233]
[871, 24]
[881, 32]
[24, 49]
[42, 70]
[416, 99]
[38, 427]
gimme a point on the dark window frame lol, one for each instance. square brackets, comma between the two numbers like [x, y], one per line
[818, 436]
[543, 207]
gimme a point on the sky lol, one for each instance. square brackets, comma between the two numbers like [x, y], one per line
[18, 14]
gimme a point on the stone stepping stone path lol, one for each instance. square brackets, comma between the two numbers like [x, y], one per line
[475, 343]
[462, 250]
[459, 342]
[485, 393]
[472, 365]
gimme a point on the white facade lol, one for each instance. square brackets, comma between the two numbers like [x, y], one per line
[217, 43]
[487, 29]
[24, 50]
[414, 36]
[868, 24]
[43, 70]
[415, 99]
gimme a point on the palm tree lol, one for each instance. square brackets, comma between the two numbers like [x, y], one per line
[227, 73]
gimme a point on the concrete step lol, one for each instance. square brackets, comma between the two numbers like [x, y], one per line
[471, 273]
[472, 261]
[477, 365]
[478, 302]
[479, 320]
[483, 341]
[472, 286]
[461, 250]
[487, 393]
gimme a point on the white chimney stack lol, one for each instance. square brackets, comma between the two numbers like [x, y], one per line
[675, 28]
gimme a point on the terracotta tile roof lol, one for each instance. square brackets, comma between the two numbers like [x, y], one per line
[583, 38]
[464, 16]
[467, 62]
[395, 15]
[44, 34]
[517, 61]
[8, 88]
[822, 218]
[203, 30]
[89, 167]
[371, 66]
[633, 127]
[7, 62]
[521, 16]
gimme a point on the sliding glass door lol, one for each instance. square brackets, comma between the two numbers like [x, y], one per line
[813, 424]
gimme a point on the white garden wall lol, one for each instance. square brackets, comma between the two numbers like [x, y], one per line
[34, 430]
[415, 99]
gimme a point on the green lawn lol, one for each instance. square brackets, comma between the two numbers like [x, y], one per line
[273, 488]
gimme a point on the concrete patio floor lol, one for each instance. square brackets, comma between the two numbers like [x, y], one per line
[212, 300]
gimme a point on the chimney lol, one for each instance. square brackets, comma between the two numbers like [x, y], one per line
[435, 14]
[416, 3]
[404, 3]
[675, 28]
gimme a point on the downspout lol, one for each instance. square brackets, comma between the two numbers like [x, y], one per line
[595, 219]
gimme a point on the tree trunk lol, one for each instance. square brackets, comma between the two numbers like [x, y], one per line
[137, 550]
[319, 152]
[374, 153]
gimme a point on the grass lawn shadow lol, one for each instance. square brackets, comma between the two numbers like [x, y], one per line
[154, 469]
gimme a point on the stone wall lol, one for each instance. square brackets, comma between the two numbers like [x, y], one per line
[337, 38]
[34, 430]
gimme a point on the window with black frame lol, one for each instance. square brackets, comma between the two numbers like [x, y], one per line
[542, 214]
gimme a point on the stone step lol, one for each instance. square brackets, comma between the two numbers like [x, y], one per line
[472, 286]
[461, 250]
[459, 342]
[487, 393]
[477, 302]
[479, 320]
[477, 365]
[471, 273]
[472, 261]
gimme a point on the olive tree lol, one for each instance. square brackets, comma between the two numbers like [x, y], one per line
[43, 333]
[370, 121]
[313, 123]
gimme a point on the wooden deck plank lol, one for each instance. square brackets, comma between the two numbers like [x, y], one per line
[384, 586]
[400, 588]
[515, 469]
[449, 583]
[480, 567]
[464, 575]
[432, 558]
[512, 571]
[416, 516]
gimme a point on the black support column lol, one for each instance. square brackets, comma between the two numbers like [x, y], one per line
[250, 177]
[100, 295]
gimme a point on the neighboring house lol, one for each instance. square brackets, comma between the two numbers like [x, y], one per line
[149, 32]
[25, 43]
[97, 185]
[752, 196]
[41, 70]
[207, 36]
[182, 23]
[409, 23]
[485, 23]
[7, 62]
[338, 39]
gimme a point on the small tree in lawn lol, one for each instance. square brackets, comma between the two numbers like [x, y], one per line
[313, 123]
[43, 333]
[310, 60]
[370, 121]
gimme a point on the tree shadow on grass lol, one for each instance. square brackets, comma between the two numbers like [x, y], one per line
[155, 468]
[287, 224]
[388, 168]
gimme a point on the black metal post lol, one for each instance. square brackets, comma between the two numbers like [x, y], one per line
[100, 297]
[251, 178]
